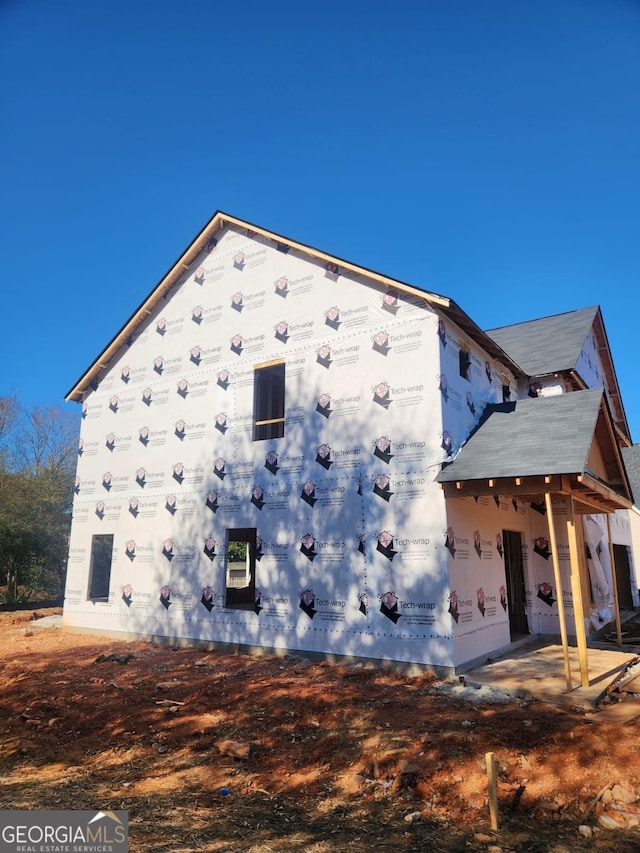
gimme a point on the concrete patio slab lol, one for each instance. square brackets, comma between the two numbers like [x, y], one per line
[538, 672]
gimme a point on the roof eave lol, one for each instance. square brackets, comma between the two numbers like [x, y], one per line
[183, 263]
[462, 319]
[593, 495]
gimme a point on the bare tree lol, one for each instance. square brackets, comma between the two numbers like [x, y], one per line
[9, 418]
[47, 441]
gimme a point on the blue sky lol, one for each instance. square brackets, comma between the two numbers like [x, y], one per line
[488, 151]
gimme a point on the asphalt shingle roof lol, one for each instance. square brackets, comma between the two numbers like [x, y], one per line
[547, 345]
[528, 438]
[631, 459]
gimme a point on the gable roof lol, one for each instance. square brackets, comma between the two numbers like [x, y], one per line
[549, 344]
[531, 445]
[221, 220]
[553, 345]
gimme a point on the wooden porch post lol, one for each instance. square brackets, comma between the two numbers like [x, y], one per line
[614, 580]
[558, 582]
[576, 556]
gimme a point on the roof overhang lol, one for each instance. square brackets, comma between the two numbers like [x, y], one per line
[613, 389]
[591, 495]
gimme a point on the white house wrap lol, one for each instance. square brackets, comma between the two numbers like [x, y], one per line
[352, 547]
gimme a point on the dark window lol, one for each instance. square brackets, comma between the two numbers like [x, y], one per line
[241, 568]
[506, 393]
[465, 362]
[268, 404]
[100, 569]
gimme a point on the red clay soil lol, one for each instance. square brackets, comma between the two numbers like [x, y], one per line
[232, 753]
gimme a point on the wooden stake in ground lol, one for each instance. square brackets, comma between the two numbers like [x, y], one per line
[493, 792]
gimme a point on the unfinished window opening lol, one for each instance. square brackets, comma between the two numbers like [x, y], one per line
[241, 568]
[100, 567]
[506, 388]
[268, 402]
[465, 359]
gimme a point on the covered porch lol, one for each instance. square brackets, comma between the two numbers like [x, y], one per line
[539, 451]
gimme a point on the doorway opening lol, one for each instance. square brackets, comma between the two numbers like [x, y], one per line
[514, 572]
[623, 576]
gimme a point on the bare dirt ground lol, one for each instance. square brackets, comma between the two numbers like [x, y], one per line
[230, 753]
